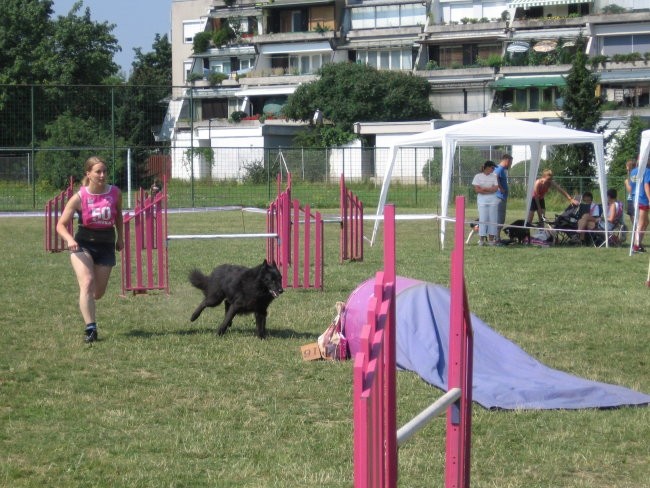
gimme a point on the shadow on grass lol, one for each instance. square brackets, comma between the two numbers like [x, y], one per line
[280, 334]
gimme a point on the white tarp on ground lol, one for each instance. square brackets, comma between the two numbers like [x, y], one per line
[491, 131]
[644, 151]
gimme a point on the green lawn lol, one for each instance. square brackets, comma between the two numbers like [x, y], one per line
[159, 401]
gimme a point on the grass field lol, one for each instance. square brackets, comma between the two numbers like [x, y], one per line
[160, 402]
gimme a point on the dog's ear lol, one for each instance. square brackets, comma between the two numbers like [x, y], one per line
[265, 263]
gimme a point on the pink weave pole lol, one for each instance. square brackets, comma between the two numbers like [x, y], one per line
[461, 353]
[299, 250]
[374, 399]
[351, 209]
[53, 210]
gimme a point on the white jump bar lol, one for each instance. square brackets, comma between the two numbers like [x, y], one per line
[217, 236]
[422, 419]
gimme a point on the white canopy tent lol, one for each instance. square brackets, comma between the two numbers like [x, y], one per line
[644, 152]
[490, 131]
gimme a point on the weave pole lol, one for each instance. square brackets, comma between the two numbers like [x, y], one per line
[351, 209]
[374, 397]
[461, 353]
[297, 229]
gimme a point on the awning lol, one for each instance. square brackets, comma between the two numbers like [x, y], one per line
[555, 33]
[295, 47]
[639, 76]
[268, 91]
[526, 4]
[520, 82]
[290, 3]
[363, 43]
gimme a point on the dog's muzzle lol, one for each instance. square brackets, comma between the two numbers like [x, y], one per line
[276, 293]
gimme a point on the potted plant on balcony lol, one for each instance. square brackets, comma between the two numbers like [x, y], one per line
[215, 78]
[201, 42]
[223, 35]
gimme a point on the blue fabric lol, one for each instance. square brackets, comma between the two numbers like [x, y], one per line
[505, 377]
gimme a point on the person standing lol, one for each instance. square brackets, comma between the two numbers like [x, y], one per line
[642, 187]
[486, 186]
[502, 193]
[92, 248]
[540, 189]
[630, 187]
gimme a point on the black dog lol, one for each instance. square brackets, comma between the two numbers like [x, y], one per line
[244, 290]
[517, 233]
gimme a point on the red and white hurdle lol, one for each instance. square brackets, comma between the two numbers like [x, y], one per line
[375, 436]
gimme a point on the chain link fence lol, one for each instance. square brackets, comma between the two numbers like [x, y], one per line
[146, 133]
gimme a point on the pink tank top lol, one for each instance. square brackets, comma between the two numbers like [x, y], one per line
[98, 211]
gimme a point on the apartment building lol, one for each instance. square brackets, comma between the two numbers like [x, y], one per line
[245, 57]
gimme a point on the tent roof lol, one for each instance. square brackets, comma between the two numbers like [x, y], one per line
[499, 130]
[490, 131]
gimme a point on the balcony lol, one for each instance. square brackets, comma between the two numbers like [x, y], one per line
[294, 37]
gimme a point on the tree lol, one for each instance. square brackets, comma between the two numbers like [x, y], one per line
[347, 93]
[82, 50]
[626, 146]
[25, 33]
[34, 49]
[581, 110]
[69, 131]
[142, 104]
[154, 67]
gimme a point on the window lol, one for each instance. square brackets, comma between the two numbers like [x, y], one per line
[220, 66]
[413, 14]
[394, 59]
[192, 28]
[384, 60]
[187, 69]
[388, 16]
[363, 18]
[627, 44]
[246, 63]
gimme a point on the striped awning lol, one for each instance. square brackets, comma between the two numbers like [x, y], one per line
[526, 4]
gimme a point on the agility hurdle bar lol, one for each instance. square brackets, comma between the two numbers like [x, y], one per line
[283, 219]
[53, 210]
[146, 245]
[351, 240]
[374, 392]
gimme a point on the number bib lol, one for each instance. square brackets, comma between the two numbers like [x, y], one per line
[98, 211]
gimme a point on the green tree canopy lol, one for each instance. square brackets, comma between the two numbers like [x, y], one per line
[581, 110]
[626, 146]
[83, 50]
[347, 93]
[69, 131]
[154, 67]
[25, 40]
[34, 49]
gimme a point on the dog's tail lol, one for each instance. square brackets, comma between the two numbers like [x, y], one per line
[198, 279]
